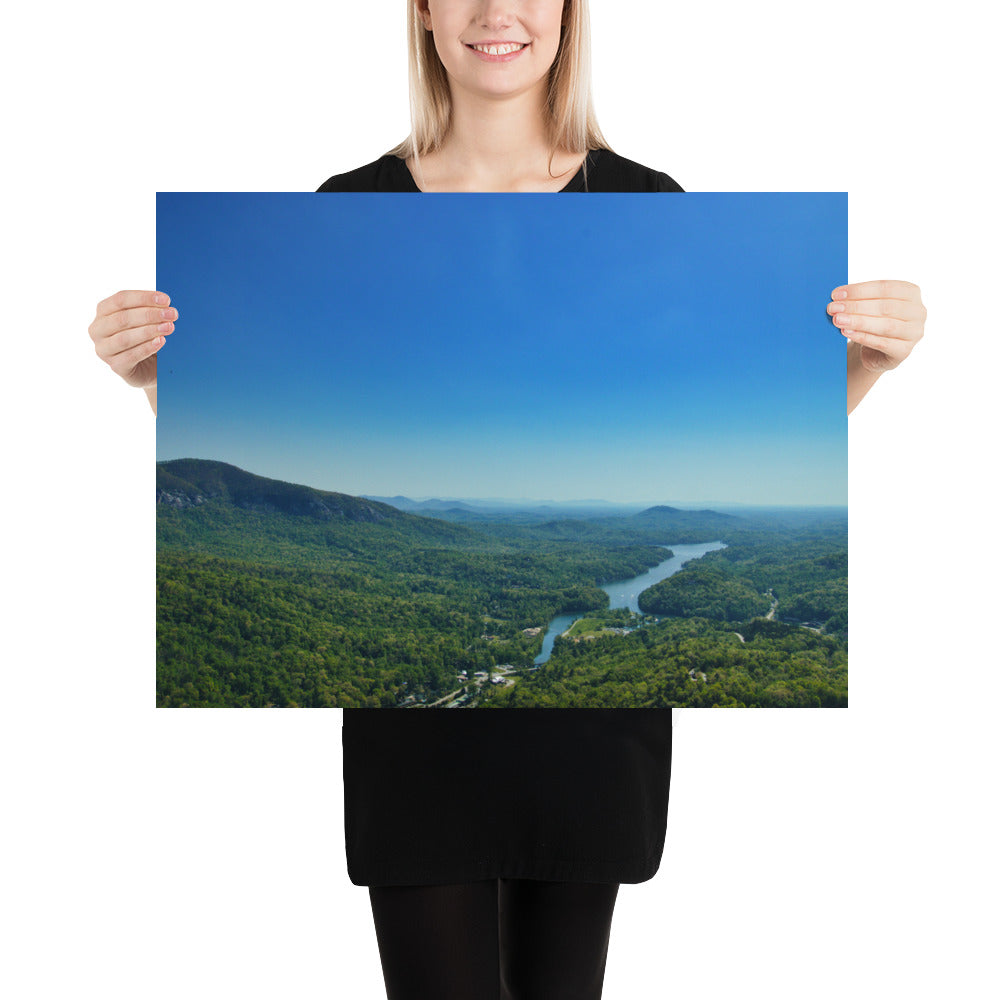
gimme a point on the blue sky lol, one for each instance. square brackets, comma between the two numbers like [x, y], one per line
[617, 347]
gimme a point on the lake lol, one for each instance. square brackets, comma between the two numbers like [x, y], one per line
[625, 593]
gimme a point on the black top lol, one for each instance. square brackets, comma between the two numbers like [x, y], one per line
[605, 171]
[452, 795]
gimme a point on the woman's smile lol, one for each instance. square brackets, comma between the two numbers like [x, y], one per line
[495, 48]
[497, 51]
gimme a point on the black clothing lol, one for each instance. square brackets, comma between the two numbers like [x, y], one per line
[498, 939]
[441, 796]
[455, 795]
[606, 171]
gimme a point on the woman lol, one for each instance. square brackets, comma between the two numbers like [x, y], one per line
[501, 881]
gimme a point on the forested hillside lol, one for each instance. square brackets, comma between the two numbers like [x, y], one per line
[689, 662]
[803, 571]
[272, 593]
[309, 598]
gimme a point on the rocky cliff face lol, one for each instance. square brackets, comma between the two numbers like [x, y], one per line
[176, 498]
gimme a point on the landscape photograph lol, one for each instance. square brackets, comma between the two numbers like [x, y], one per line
[501, 451]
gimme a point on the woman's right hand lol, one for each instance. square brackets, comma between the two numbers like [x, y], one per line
[128, 330]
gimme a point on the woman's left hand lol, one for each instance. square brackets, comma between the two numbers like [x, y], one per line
[884, 318]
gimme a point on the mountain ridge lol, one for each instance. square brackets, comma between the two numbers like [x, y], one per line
[187, 482]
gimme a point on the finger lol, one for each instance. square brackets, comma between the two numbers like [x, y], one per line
[109, 348]
[904, 309]
[131, 300]
[894, 349]
[124, 363]
[877, 290]
[130, 319]
[882, 326]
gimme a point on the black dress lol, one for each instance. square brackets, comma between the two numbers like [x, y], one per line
[563, 794]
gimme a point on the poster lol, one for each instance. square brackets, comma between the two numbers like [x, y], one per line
[776, 114]
[500, 451]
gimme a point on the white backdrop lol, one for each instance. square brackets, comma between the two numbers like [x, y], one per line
[200, 854]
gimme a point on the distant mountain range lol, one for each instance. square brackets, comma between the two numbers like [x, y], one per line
[674, 516]
[192, 482]
[496, 505]
[423, 506]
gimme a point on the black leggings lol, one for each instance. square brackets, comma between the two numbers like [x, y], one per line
[502, 939]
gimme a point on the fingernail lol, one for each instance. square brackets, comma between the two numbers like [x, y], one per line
[165, 327]
[839, 293]
[159, 299]
[843, 320]
[835, 307]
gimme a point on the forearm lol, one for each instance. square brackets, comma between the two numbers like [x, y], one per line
[859, 378]
[150, 391]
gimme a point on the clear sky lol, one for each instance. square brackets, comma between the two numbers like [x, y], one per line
[619, 347]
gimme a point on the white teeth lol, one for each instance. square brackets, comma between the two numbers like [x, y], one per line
[499, 50]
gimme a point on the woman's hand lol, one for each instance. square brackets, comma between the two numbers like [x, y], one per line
[883, 320]
[128, 330]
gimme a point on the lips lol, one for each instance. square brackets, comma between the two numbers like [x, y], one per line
[497, 48]
[497, 51]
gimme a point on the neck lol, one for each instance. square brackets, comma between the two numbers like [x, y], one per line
[494, 144]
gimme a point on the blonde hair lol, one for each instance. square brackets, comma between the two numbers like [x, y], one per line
[571, 120]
